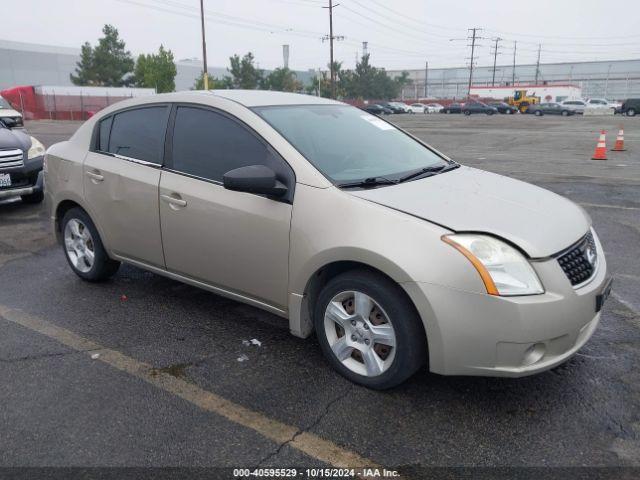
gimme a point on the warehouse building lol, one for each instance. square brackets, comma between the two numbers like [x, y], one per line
[32, 64]
[615, 79]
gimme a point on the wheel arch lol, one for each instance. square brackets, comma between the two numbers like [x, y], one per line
[60, 210]
[306, 286]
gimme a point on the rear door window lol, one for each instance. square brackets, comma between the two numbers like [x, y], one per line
[139, 133]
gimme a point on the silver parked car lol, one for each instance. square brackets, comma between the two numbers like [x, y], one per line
[395, 255]
[576, 106]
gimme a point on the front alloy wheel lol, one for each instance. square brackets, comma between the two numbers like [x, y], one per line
[360, 333]
[369, 330]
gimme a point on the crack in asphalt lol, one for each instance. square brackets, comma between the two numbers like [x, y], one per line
[314, 424]
[46, 355]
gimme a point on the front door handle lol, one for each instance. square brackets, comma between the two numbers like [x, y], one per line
[95, 177]
[174, 201]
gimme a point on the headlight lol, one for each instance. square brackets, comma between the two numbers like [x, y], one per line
[503, 269]
[36, 149]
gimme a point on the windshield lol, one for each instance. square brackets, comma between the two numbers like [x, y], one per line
[347, 144]
[4, 103]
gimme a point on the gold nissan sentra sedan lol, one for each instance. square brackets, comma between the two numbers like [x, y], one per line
[395, 255]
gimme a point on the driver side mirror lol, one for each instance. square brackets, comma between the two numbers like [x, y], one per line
[254, 179]
[9, 122]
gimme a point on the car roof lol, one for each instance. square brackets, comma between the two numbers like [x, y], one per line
[261, 98]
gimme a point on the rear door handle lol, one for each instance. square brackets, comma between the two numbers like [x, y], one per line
[95, 177]
[174, 201]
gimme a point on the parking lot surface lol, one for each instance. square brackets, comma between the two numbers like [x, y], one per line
[145, 371]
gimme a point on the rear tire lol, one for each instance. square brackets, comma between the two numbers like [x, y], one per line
[36, 197]
[83, 248]
[631, 112]
[538, 113]
[467, 112]
[565, 113]
[356, 309]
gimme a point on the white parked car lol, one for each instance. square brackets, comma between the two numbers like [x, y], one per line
[577, 106]
[395, 255]
[602, 103]
[10, 117]
[434, 107]
[418, 108]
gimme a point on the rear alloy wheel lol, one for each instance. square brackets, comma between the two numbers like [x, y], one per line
[83, 247]
[368, 330]
[538, 113]
[565, 113]
[631, 112]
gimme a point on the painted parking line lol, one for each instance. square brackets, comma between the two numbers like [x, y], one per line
[281, 433]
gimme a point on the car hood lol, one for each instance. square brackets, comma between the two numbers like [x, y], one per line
[14, 139]
[466, 199]
[9, 112]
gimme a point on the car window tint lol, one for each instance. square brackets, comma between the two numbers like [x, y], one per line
[105, 129]
[208, 144]
[139, 133]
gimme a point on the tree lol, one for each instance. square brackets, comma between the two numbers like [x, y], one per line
[367, 81]
[283, 80]
[244, 74]
[107, 64]
[84, 67]
[214, 83]
[156, 71]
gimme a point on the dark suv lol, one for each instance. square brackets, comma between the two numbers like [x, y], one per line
[21, 158]
[630, 107]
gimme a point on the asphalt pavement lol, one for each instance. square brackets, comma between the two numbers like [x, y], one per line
[144, 371]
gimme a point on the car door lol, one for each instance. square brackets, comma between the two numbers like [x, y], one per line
[234, 241]
[121, 178]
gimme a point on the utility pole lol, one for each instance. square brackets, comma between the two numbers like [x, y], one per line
[538, 63]
[495, 59]
[331, 38]
[365, 48]
[513, 72]
[426, 80]
[474, 37]
[473, 50]
[205, 73]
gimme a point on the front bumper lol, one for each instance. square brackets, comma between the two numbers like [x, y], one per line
[26, 179]
[480, 334]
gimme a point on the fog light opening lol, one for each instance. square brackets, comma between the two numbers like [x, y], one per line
[533, 354]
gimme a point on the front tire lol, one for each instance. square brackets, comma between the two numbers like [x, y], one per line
[83, 248]
[631, 112]
[368, 329]
[538, 113]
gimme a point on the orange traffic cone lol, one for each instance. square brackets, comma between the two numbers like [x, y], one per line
[619, 146]
[601, 148]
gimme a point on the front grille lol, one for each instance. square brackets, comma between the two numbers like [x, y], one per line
[11, 158]
[579, 262]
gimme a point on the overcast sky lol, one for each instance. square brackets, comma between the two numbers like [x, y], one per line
[401, 33]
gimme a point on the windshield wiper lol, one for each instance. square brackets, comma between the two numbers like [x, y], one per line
[427, 170]
[368, 182]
